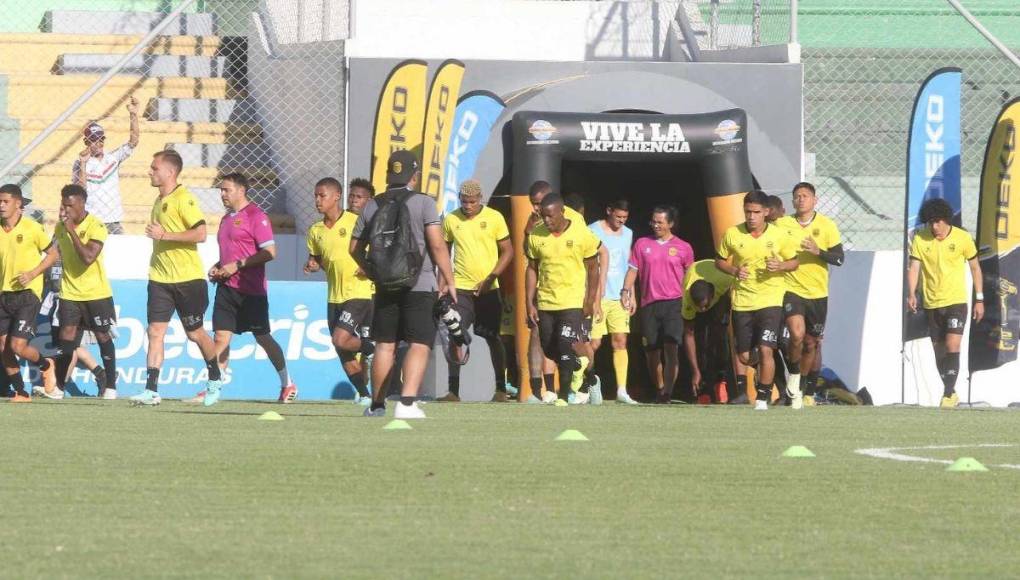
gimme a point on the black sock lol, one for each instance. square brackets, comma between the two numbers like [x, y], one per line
[214, 369]
[454, 382]
[741, 386]
[18, 382]
[5, 384]
[589, 381]
[108, 352]
[950, 370]
[360, 383]
[500, 386]
[550, 382]
[764, 392]
[378, 404]
[367, 347]
[810, 383]
[152, 380]
[793, 367]
[44, 363]
[65, 351]
[566, 367]
[406, 400]
[536, 386]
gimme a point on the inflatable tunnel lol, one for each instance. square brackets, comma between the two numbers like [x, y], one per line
[697, 163]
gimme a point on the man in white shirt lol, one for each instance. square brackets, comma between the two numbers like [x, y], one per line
[101, 177]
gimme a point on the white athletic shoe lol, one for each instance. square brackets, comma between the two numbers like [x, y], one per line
[549, 397]
[408, 411]
[761, 406]
[581, 398]
[109, 395]
[794, 392]
[623, 398]
[147, 398]
[56, 394]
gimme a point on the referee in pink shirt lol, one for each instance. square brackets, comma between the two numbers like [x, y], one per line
[660, 262]
[246, 243]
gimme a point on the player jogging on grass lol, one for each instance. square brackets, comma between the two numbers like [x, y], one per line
[176, 276]
[245, 238]
[616, 238]
[349, 292]
[806, 301]
[660, 262]
[561, 253]
[22, 243]
[480, 242]
[705, 309]
[758, 254]
[86, 299]
[937, 256]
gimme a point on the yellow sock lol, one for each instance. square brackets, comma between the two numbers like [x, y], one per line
[620, 361]
[578, 377]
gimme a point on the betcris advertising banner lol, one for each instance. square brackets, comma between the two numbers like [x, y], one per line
[933, 166]
[439, 117]
[400, 116]
[475, 117]
[297, 314]
[993, 341]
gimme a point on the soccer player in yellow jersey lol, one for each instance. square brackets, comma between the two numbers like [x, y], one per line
[806, 301]
[937, 256]
[480, 241]
[705, 308]
[349, 302]
[757, 254]
[22, 242]
[561, 289]
[86, 299]
[176, 275]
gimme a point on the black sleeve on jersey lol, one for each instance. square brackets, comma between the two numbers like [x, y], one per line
[833, 255]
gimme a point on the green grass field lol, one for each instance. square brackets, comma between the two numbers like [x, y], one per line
[481, 490]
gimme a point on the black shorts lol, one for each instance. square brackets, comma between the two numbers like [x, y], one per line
[87, 314]
[354, 316]
[237, 312]
[814, 311]
[18, 311]
[189, 299]
[661, 322]
[757, 327]
[404, 315]
[482, 311]
[946, 320]
[558, 328]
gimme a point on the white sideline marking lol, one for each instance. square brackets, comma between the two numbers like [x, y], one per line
[891, 453]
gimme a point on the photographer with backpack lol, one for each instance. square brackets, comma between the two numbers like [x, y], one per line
[398, 242]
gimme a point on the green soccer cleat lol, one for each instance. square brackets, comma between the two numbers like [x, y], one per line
[212, 393]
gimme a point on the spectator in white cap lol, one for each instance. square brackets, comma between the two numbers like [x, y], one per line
[101, 175]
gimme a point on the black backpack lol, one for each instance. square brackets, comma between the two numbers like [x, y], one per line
[394, 259]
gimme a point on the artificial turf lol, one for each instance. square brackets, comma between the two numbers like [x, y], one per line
[102, 489]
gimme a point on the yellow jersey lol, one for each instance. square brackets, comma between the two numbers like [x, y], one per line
[79, 281]
[943, 282]
[332, 246]
[560, 260]
[175, 262]
[811, 278]
[762, 289]
[476, 245]
[21, 250]
[707, 271]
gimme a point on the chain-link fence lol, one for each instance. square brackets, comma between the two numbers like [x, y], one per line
[740, 23]
[249, 86]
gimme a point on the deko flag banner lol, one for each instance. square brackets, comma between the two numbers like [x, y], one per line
[993, 341]
[400, 116]
[439, 113]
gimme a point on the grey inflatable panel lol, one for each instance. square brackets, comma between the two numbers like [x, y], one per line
[133, 23]
[144, 64]
[200, 110]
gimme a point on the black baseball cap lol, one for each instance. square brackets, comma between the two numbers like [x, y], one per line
[401, 167]
[15, 191]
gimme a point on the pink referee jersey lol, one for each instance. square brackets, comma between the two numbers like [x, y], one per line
[661, 267]
[241, 236]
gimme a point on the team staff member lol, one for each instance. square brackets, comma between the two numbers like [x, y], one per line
[86, 299]
[480, 240]
[176, 276]
[245, 238]
[758, 254]
[806, 301]
[616, 238]
[705, 309]
[561, 252]
[405, 314]
[660, 261]
[349, 291]
[22, 242]
[937, 255]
